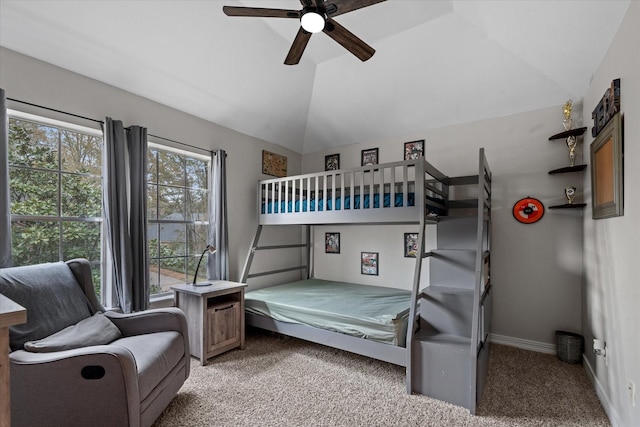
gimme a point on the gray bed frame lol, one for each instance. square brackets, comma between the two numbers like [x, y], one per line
[415, 176]
[428, 185]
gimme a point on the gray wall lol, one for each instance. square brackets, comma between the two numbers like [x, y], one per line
[612, 261]
[536, 268]
[37, 82]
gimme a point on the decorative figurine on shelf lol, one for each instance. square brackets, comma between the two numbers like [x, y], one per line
[566, 109]
[572, 143]
[568, 123]
[570, 194]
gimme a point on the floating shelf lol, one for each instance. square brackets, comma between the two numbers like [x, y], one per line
[568, 169]
[568, 133]
[569, 206]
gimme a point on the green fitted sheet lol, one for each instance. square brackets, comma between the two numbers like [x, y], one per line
[372, 312]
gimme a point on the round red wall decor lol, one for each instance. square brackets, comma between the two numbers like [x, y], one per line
[528, 210]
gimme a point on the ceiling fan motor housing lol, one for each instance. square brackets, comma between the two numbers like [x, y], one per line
[312, 20]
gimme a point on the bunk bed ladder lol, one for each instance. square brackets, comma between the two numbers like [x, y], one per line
[255, 247]
[449, 351]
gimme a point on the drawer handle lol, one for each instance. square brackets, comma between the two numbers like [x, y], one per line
[223, 308]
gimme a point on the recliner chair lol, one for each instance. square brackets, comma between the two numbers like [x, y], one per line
[126, 382]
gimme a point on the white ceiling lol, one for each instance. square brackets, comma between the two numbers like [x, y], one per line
[437, 63]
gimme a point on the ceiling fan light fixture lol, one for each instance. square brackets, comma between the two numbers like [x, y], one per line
[312, 22]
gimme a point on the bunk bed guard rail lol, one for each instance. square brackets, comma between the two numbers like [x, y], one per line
[383, 193]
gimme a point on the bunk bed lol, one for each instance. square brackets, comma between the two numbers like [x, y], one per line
[349, 196]
[406, 192]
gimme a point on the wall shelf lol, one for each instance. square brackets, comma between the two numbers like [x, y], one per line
[568, 169]
[569, 206]
[568, 133]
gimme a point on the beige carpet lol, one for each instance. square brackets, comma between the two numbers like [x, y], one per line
[280, 381]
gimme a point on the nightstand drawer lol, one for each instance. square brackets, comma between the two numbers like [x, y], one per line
[224, 321]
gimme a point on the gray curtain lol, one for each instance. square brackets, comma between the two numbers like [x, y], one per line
[125, 196]
[218, 263]
[5, 200]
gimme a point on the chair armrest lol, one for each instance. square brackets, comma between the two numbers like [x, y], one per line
[154, 320]
[149, 321]
[103, 379]
[23, 357]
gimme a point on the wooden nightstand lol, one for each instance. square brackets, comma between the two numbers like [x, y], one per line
[215, 316]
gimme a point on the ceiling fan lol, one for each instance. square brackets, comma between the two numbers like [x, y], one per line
[315, 16]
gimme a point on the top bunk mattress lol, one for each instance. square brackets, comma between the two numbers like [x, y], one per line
[371, 312]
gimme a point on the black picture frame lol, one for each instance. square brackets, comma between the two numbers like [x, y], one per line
[607, 171]
[332, 162]
[369, 157]
[410, 245]
[332, 243]
[369, 263]
[414, 149]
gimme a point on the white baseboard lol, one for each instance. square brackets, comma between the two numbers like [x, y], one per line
[537, 346]
[614, 418]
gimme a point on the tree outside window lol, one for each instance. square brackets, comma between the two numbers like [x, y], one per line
[177, 216]
[55, 182]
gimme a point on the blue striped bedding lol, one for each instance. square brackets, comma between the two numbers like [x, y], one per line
[301, 206]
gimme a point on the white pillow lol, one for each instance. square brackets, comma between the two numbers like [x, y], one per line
[94, 330]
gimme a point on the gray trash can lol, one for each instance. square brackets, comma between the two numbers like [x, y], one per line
[570, 346]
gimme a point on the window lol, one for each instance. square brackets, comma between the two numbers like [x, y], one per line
[177, 216]
[55, 182]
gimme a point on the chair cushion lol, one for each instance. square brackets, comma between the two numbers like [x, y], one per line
[94, 330]
[52, 296]
[156, 355]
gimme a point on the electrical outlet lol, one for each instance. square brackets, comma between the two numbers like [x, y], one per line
[631, 387]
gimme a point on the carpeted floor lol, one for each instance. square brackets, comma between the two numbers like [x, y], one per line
[279, 381]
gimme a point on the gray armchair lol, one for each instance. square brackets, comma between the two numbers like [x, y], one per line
[126, 381]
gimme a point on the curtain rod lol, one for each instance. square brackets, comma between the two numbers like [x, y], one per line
[54, 110]
[181, 143]
[102, 122]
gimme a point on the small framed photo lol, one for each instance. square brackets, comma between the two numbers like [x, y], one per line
[332, 162]
[410, 245]
[369, 157]
[332, 243]
[413, 150]
[369, 263]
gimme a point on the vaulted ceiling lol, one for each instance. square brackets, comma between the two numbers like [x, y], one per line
[437, 63]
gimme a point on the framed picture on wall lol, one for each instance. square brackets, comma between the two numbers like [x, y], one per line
[413, 150]
[332, 162]
[369, 263]
[410, 245]
[332, 243]
[274, 164]
[606, 171]
[369, 157]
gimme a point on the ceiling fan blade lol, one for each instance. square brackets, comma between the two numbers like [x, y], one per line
[299, 43]
[338, 7]
[260, 12]
[348, 40]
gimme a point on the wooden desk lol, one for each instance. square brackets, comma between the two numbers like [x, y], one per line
[10, 314]
[215, 316]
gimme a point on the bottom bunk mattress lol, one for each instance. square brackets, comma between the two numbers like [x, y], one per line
[371, 312]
